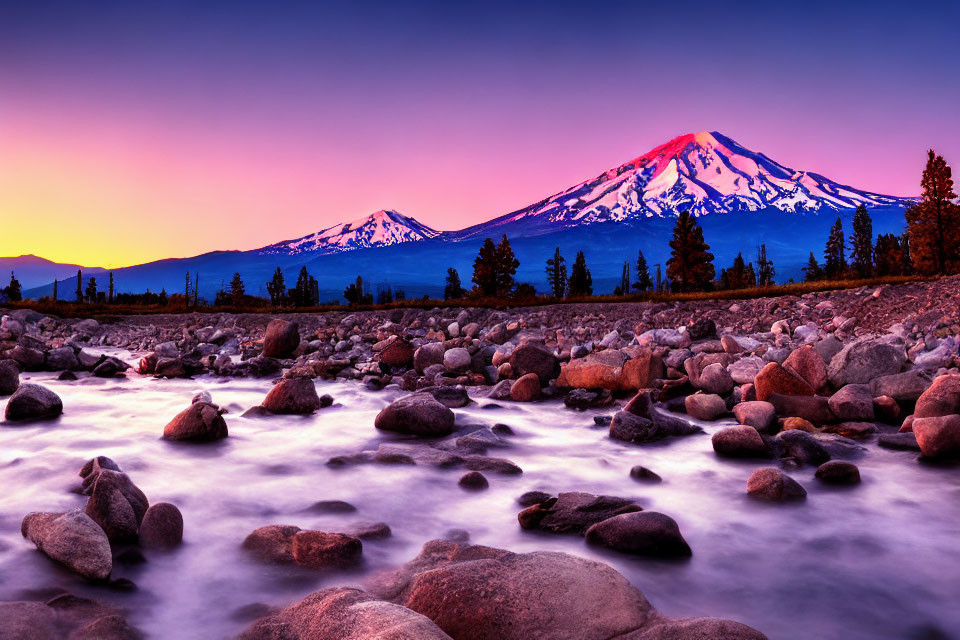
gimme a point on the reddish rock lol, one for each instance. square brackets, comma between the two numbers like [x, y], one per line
[813, 408]
[886, 409]
[774, 485]
[705, 406]
[798, 424]
[611, 369]
[757, 414]
[281, 338]
[646, 533]
[808, 365]
[939, 436]
[530, 357]
[417, 414]
[852, 402]
[838, 472]
[200, 422]
[525, 388]
[855, 430]
[322, 550]
[72, 539]
[162, 527]
[397, 353]
[941, 399]
[739, 442]
[273, 543]
[774, 378]
[292, 396]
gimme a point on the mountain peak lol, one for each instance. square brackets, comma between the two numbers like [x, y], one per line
[380, 228]
[703, 173]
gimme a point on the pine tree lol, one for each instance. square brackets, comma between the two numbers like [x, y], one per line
[834, 255]
[861, 243]
[453, 289]
[644, 282]
[91, 292]
[812, 272]
[485, 268]
[557, 274]
[580, 283]
[300, 295]
[110, 294]
[625, 279]
[55, 283]
[750, 276]
[196, 289]
[934, 222]
[888, 255]
[765, 270]
[507, 265]
[79, 286]
[277, 288]
[906, 267]
[13, 290]
[237, 289]
[690, 267]
[186, 290]
[736, 276]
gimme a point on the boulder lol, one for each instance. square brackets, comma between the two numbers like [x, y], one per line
[715, 379]
[902, 387]
[116, 504]
[941, 399]
[739, 442]
[72, 539]
[162, 527]
[9, 377]
[345, 614]
[281, 338]
[29, 359]
[630, 427]
[525, 596]
[526, 388]
[292, 396]
[705, 406]
[613, 370]
[776, 379]
[427, 355]
[838, 472]
[886, 409]
[758, 414]
[452, 397]
[744, 370]
[701, 329]
[574, 512]
[322, 550]
[530, 357]
[643, 474]
[397, 353]
[33, 402]
[200, 422]
[807, 363]
[862, 361]
[938, 436]
[645, 533]
[418, 414]
[852, 402]
[771, 484]
[28, 621]
[473, 480]
[62, 359]
[457, 360]
[698, 629]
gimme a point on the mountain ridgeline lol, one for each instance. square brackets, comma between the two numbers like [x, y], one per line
[742, 199]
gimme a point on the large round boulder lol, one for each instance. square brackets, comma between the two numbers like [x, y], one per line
[807, 363]
[397, 353]
[281, 338]
[72, 539]
[33, 402]
[939, 436]
[428, 355]
[162, 527]
[705, 406]
[758, 414]
[838, 472]
[292, 396]
[200, 422]
[526, 388]
[852, 402]
[117, 505]
[645, 533]
[457, 360]
[418, 414]
[530, 357]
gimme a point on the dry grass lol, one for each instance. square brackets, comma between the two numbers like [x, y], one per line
[74, 310]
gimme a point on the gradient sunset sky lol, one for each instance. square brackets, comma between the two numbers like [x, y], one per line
[132, 131]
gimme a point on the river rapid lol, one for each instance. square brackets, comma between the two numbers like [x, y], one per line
[878, 560]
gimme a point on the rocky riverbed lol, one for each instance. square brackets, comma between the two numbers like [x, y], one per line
[781, 468]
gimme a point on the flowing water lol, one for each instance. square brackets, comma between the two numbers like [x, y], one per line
[879, 560]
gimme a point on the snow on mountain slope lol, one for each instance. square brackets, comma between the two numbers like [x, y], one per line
[378, 229]
[702, 173]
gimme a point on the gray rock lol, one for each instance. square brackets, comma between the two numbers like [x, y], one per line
[162, 527]
[72, 539]
[33, 402]
[293, 396]
[9, 377]
[574, 512]
[62, 359]
[715, 379]
[456, 360]
[417, 414]
[852, 402]
[758, 414]
[645, 533]
[902, 387]
[862, 361]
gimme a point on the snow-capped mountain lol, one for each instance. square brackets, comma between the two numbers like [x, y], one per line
[703, 173]
[378, 229]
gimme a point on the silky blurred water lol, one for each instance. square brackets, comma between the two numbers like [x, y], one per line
[880, 560]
